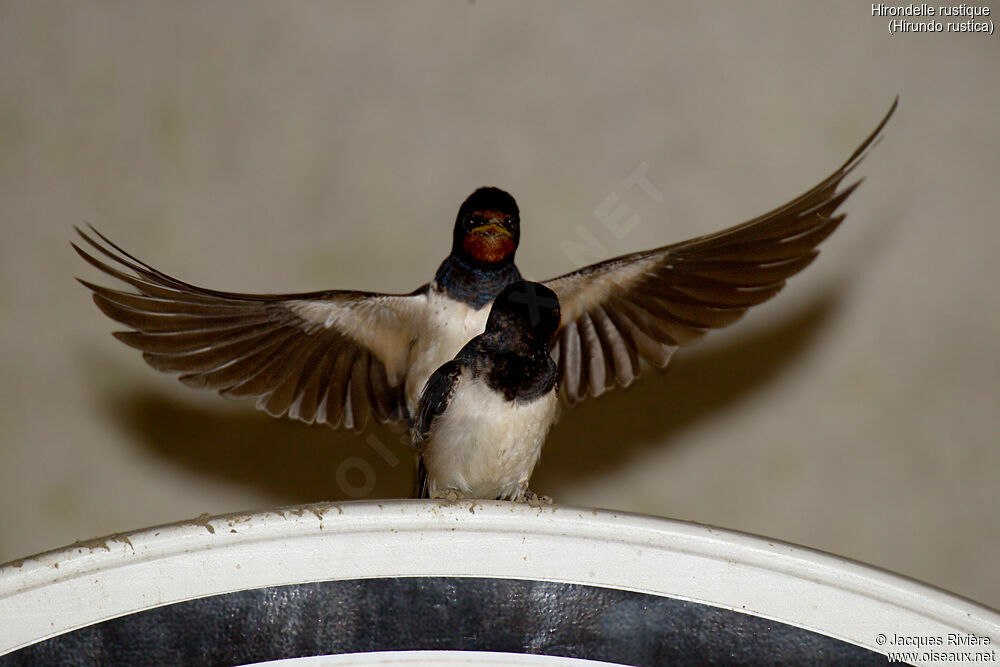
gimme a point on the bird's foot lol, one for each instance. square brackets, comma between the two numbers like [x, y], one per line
[450, 495]
[535, 500]
[526, 495]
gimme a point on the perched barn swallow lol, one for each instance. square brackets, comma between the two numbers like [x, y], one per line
[483, 416]
[342, 357]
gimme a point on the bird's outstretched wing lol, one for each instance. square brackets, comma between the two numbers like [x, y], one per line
[646, 304]
[336, 357]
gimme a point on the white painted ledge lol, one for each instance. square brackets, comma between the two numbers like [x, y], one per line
[68, 588]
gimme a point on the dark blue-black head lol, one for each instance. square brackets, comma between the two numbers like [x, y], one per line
[525, 311]
[488, 228]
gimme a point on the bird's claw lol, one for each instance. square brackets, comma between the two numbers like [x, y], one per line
[526, 495]
[449, 495]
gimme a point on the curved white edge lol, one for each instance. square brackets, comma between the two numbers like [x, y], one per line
[92, 581]
[432, 659]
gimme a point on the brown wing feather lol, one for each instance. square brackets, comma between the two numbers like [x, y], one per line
[646, 304]
[335, 357]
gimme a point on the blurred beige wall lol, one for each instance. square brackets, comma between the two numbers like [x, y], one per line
[280, 147]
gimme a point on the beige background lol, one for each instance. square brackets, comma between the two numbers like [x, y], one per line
[302, 146]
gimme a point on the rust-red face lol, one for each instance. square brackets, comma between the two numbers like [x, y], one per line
[489, 236]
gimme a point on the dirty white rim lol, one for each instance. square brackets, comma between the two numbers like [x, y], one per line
[65, 589]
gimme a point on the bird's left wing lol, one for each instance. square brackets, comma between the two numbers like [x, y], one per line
[435, 396]
[335, 357]
[646, 304]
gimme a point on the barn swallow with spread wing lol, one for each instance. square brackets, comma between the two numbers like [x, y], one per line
[342, 357]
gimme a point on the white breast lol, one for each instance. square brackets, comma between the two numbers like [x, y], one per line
[485, 446]
[448, 326]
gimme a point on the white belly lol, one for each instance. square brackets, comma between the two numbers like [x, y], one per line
[484, 446]
[449, 325]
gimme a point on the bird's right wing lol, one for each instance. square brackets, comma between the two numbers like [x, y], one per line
[335, 357]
